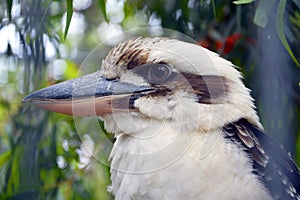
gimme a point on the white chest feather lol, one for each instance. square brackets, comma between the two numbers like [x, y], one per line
[169, 165]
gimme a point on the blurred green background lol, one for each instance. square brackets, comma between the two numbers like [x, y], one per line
[44, 155]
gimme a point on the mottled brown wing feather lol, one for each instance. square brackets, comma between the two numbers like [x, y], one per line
[271, 163]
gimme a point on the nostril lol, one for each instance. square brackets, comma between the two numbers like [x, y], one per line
[113, 79]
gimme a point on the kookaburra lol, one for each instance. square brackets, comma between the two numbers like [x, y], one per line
[184, 122]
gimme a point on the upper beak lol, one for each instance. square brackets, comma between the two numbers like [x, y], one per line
[88, 95]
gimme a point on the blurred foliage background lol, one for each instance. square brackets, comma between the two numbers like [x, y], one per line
[42, 42]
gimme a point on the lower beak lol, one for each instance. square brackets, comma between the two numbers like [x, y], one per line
[88, 95]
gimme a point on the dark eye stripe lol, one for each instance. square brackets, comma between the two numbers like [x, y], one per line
[210, 89]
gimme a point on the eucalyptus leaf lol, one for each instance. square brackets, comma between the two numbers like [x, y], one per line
[69, 16]
[297, 2]
[5, 157]
[263, 11]
[238, 2]
[14, 178]
[214, 8]
[102, 5]
[280, 30]
[296, 19]
[9, 6]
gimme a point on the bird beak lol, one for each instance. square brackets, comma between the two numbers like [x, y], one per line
[88, 95]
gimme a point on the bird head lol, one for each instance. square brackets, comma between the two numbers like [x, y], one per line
[148, 80]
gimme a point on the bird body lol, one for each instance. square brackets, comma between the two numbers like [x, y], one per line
[196, 173]
[185, 125]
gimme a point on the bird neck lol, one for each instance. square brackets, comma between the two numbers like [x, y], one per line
[156, 146]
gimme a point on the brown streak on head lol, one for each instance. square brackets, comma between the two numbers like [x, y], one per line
[139, 57]
[128, 54]
[210, 89]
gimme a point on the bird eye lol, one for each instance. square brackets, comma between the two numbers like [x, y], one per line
[158, 73]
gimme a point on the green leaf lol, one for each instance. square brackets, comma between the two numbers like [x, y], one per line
[71, 71]
[214, 8]
[5, 158]
[9, 6]
[280, 30]
[263, 11]
[296, 19]
[238, 2]
[14, 178]
[69, 17]
[102, 5]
